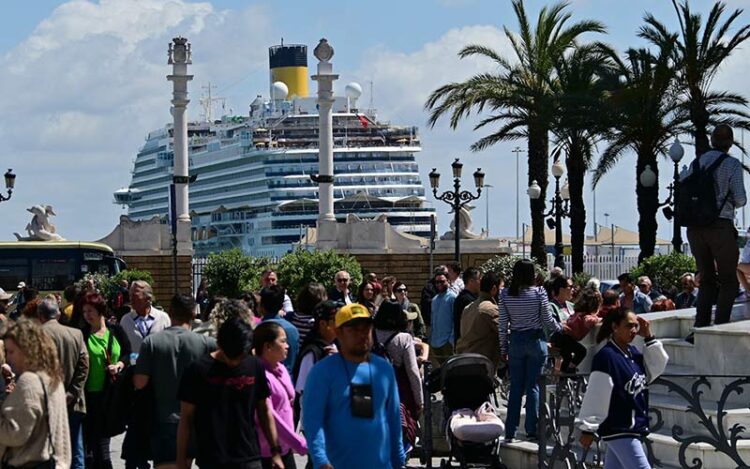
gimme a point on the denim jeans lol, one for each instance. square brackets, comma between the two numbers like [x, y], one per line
[526, 357]
[75, 423]
[625, 453]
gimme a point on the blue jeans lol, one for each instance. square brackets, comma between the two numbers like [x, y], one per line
[526, 357]
[625, 453]
[75, 423]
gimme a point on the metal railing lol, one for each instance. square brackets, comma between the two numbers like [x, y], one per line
[558, 422]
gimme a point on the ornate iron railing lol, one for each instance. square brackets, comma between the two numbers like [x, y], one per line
[559, 410]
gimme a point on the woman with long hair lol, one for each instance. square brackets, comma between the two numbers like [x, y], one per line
[524, 309]
[270, 345]
[109, 352]
[366, 296]
[308, 297]
[616, 402]
[415, 324]
[390, 332]
[318, 344]
[34, 416]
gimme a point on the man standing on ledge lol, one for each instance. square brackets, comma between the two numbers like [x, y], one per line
[351, 407]
[715, 246]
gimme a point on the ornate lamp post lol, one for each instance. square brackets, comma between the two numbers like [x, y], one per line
[558, 211]
[456, 198]
[10, 183]
[648, 179]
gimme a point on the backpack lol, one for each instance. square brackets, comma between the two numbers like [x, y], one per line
[381, 348]
[696, 203]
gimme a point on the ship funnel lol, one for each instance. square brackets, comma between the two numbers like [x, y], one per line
[288, 64]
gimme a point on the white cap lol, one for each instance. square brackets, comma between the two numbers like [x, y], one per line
[21, 285]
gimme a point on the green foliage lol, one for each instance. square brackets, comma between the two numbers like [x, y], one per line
[665, 271]
[301, 267]
[131, 275]
[229, 273]
[581, 279]
[107, 286]
[503, 265]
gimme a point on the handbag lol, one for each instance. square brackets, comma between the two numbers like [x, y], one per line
[50, 463]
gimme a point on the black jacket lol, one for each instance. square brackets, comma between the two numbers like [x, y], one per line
[464, 298]
[335, 295]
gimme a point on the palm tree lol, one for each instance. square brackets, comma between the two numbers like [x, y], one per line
[518, 96]
[646, 109]
[699, 55]
[579, 124]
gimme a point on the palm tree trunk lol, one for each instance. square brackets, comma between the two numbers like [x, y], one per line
[576, 174]
[648, 205]
[699, 118]
[538, 162]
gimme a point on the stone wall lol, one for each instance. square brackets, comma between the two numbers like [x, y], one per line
[160, 267]
[414, 269]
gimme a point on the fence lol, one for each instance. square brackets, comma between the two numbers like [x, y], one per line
[198, 264]
[710, 425]
[601, 267]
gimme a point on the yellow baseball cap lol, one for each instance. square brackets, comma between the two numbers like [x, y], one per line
[351, 312]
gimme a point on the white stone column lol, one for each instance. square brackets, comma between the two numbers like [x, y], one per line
[325, 78]
[180, 58]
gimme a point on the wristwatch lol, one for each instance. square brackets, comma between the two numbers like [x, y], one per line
[275, 450]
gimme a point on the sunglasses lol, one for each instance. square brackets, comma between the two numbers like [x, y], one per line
[342, 280]
[400, 290]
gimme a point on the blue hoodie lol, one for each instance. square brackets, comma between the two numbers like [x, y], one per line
[616, 400]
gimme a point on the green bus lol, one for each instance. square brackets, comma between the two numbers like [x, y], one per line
[53, 265]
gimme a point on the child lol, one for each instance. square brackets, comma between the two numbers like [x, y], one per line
[585, 317]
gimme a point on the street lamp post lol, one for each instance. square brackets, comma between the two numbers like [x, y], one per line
[10, 183]
[487, 208]
[558, 211]
[457, 198]
[648, 179]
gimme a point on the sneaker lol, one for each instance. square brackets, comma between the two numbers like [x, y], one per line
[532, 437]
[510, 439]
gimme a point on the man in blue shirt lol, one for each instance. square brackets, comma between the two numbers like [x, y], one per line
[351, 406]
[631, 297]
[441, 335]
[271, 302]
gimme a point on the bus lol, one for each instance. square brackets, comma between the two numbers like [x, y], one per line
[53, 265]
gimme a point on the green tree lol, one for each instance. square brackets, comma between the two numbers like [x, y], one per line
[579, 124]
[700, 50]
[518, 96]
[229, 273]
[645, 108]
[300, 267]
[503, 265]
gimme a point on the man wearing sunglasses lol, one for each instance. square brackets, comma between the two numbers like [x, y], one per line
[340, 293]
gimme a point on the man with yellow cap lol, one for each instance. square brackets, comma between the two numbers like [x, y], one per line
[352, 416]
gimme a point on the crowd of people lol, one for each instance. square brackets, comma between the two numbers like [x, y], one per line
[250, 382]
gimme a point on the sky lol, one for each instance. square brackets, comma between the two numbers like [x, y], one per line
[84, 81]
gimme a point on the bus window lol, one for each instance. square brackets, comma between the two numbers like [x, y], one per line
[51, 273]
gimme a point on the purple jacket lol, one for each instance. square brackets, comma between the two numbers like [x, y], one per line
[282, 405]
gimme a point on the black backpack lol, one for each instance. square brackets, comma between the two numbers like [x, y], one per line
[696, 204]
[381, 348]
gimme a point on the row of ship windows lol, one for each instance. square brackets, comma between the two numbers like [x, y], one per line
[338, 156]
[349, 169]
[347, 181]
[386, 192]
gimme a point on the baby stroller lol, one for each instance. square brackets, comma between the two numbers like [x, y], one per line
[467, 381]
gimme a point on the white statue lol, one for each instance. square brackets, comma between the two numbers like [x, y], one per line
[40, 228]
[464, 218]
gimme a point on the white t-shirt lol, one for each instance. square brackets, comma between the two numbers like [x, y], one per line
[745, 256]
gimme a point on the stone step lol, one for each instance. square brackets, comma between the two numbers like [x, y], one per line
[667, 449]
[680, 352]
[673, 411]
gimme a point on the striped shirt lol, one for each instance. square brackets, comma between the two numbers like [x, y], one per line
[529, 310]
[727, 182]
[304, 324]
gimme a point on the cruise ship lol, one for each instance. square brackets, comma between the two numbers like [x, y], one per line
[250, 175]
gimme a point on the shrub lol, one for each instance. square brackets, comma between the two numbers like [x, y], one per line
[300, 267]
[503, 265]
[231, 272]
[580, 279]
[665, 271]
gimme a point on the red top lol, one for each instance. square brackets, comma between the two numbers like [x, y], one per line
[581, 324]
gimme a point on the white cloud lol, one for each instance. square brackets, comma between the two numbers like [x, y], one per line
[82, 90]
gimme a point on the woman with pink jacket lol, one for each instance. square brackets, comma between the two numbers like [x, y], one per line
[271, 347]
